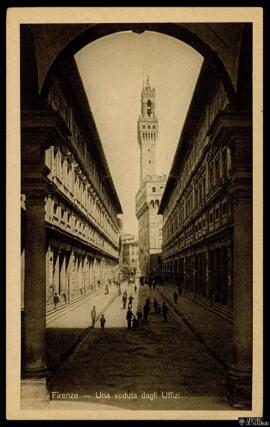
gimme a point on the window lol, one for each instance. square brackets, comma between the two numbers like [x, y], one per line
[55, 208]
[153, 189]
[211, 217]
[217, 170]
[203, 187]
[149, 126]
[149, 107]
[149, 162]
[217, 213]
[224, 208]
[210, 176]
[224, 163]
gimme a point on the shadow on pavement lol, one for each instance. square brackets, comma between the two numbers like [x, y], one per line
[132, 368]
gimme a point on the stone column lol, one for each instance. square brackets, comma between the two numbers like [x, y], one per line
[35, 286]
[56, 272]
[233, 129]
[207, 274]
[229, 275]
[63, 292]
[239, 378]
[40, 129]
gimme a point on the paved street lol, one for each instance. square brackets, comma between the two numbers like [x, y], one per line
[162, 366]
[63, 332]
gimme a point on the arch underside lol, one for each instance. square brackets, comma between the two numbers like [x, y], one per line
[217, 43]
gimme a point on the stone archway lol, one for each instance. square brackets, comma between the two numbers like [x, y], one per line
[46, 49]
[54, 44]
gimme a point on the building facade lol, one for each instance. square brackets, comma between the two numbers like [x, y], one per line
[73, 217]
[130, 253]
[151, 188]
[198, 214]
[206, 208]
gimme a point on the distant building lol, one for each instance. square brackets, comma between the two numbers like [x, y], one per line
[151, 188]
[130, 254]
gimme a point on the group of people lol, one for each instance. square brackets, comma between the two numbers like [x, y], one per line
[133, 322]
[142, 316]
[125, 298]
[94, 318]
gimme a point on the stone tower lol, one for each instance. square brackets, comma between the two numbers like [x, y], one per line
[147, 132]
[151, 189]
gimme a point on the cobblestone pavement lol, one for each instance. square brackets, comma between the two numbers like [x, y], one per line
[162, 366]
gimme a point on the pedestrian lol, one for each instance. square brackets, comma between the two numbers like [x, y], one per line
[134, 323]
[145, 312]
[55, 299]
[148, 303]
[124, 299]
[93, 316]
[106, 289]
[150, 285]
[139, 317]
[158, 309]
[102, 323]
[155, 304]
[119, 291]
[175, 297]
[135, 289]
[129, 317]
[130, 301]
[164, 311]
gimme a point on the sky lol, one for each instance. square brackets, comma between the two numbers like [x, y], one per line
[113, 69]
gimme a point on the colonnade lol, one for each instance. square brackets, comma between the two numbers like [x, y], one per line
[206, 272]
[73, 273]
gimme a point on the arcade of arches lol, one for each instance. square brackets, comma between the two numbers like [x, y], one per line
[70, 205]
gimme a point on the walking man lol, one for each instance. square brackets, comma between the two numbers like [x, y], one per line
[130, 301]
[140, 317]
[129, 318]
[175, 297]
[55, 299]
[164, 311]
[93, 316]
[102, 324]
[145, 312]
[124, 299]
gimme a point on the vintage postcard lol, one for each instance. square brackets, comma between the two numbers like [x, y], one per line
[134, 213]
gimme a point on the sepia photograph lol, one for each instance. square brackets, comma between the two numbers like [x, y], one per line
[136, 140]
